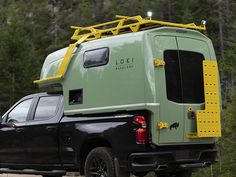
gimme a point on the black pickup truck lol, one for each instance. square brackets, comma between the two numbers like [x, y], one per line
[36, 138]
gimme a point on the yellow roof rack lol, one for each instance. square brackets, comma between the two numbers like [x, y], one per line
[139, 23]
[124, 24]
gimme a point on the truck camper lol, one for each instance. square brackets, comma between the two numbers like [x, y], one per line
[138, 95]
[167, 70]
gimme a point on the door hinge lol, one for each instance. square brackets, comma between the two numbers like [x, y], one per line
[158, 62]
[162, 125]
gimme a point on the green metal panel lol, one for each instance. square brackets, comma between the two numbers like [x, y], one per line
[119, 85]
[51, 63]
[170, 112]
[200, 46]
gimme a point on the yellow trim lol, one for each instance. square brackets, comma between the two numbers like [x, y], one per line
[42, 81]
[64, 64]
[192, 135]
[190, 109]
[208, 120]
[162, 125]
[83, 34]
[158, 62]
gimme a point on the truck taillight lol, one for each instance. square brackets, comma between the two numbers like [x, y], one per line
[141, 133]
[141, 120]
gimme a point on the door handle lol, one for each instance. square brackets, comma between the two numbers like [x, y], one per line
[20, 130]
[158, 62]
[50, 128]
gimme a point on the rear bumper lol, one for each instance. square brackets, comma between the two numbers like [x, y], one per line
[171, 160]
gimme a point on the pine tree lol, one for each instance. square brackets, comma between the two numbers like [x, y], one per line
[30, 30]
[17, 54]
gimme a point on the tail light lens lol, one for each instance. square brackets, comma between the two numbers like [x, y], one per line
[141, 120]
[141, 133]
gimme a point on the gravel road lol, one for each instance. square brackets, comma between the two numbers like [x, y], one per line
[70, 174]
[11, 175]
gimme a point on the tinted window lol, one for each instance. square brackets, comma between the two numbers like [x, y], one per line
[184, 76]
[96, 57]
[76, 96]
[173, 80]
[192, 76]
[46, 108]
[20, 112]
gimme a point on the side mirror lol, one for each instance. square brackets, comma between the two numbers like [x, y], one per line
[5, 124]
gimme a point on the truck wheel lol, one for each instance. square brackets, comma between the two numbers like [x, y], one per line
[140, 174]
[184, 174]
[177, 174]
[100, 163]
[162, 174]
[124, 174]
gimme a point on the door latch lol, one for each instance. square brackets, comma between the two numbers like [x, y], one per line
[158, 62]
[191, 113]
[162, 125]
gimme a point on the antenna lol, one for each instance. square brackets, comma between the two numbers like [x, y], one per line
[149, 15]
[203, 23]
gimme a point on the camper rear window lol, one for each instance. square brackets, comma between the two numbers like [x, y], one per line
[97, 57]
[184, 76]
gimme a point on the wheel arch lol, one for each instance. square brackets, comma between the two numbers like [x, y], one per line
[88, 146]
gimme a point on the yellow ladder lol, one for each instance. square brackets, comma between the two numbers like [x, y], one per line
[65, 62]
[208, 120]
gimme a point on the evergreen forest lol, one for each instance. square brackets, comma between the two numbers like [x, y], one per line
[31, 29]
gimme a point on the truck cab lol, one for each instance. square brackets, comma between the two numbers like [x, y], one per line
[29, 131]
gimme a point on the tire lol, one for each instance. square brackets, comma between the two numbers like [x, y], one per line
[177, 174]
[140, 174]
[100, 163]
[184, 174]
[162, 174]
[124, 174]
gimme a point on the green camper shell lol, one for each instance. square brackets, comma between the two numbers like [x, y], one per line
[169, 71]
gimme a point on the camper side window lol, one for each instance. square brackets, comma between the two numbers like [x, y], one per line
[97, 57]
